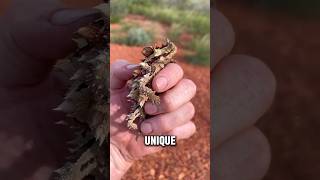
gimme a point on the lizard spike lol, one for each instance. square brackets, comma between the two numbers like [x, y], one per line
[156, 58]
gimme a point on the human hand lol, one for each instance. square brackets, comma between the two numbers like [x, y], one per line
[172, 117]
[243, 89]
[34, 34]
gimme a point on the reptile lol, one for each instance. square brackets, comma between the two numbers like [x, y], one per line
[156, 57]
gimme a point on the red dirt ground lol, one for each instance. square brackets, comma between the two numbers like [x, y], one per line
[191, 158]
[290, 47]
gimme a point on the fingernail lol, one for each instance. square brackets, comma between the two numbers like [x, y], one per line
[132, 66]
[69, 16]
[150, 108]
[161, 83]
[146, 128]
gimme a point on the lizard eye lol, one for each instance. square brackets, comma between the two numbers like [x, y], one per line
[147, 51]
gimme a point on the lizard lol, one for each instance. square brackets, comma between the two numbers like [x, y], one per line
[156, 57]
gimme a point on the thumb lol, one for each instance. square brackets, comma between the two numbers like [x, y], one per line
[120, 72]
[36, 34]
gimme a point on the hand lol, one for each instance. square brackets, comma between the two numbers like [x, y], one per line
[172, 117]
[243, 89]
[33, 35]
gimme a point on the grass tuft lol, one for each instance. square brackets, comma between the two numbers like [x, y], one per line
[195, 22]
[201, 48]
[175, 31]
[135, 37]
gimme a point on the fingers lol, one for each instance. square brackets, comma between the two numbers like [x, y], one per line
[167, 78]
[174, 98]
[223, 37]
[182, 132]
[120, 72]
[243, 89]
[177, 124]
[164, 123]
[185, 131]
[37, 33]
[243, 157]
[176, 106]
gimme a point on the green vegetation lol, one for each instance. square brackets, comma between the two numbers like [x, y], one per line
[119, 10]
[195, 22]
[175, 32]
[191, 17]
[201, 6]
[201, 48]
[138, 36]
[135, 36]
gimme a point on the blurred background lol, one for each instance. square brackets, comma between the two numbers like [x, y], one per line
[137, 23]
[284, 34]
[186, 22]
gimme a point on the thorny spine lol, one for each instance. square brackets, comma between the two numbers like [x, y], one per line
[156, 58]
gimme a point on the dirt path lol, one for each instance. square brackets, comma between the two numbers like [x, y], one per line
[190, 159]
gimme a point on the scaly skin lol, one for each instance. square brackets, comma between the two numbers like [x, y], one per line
[156, 58]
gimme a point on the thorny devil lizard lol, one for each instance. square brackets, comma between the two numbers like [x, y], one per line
[156, 58]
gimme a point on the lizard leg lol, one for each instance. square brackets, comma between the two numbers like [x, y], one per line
[151, 95]
[131, 118]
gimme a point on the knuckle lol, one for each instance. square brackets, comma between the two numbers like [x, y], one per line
[169, 103]
[187, 112]
[117, 66]
[119, 63]
[179, 70]
[193, 128]
[262, 149]
[164, 124]
[191, 110]
[190, 85]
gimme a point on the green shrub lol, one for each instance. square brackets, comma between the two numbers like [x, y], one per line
[119, 9]
[201, 6]
[135, 36]
[142, 2]
[175, 31]
[126, 26]
[193, 21]
[201, 48]
[138, 36]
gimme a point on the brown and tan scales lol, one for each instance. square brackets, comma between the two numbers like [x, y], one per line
[156, 58]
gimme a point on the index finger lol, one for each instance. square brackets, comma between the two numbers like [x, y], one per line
[167, 78]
